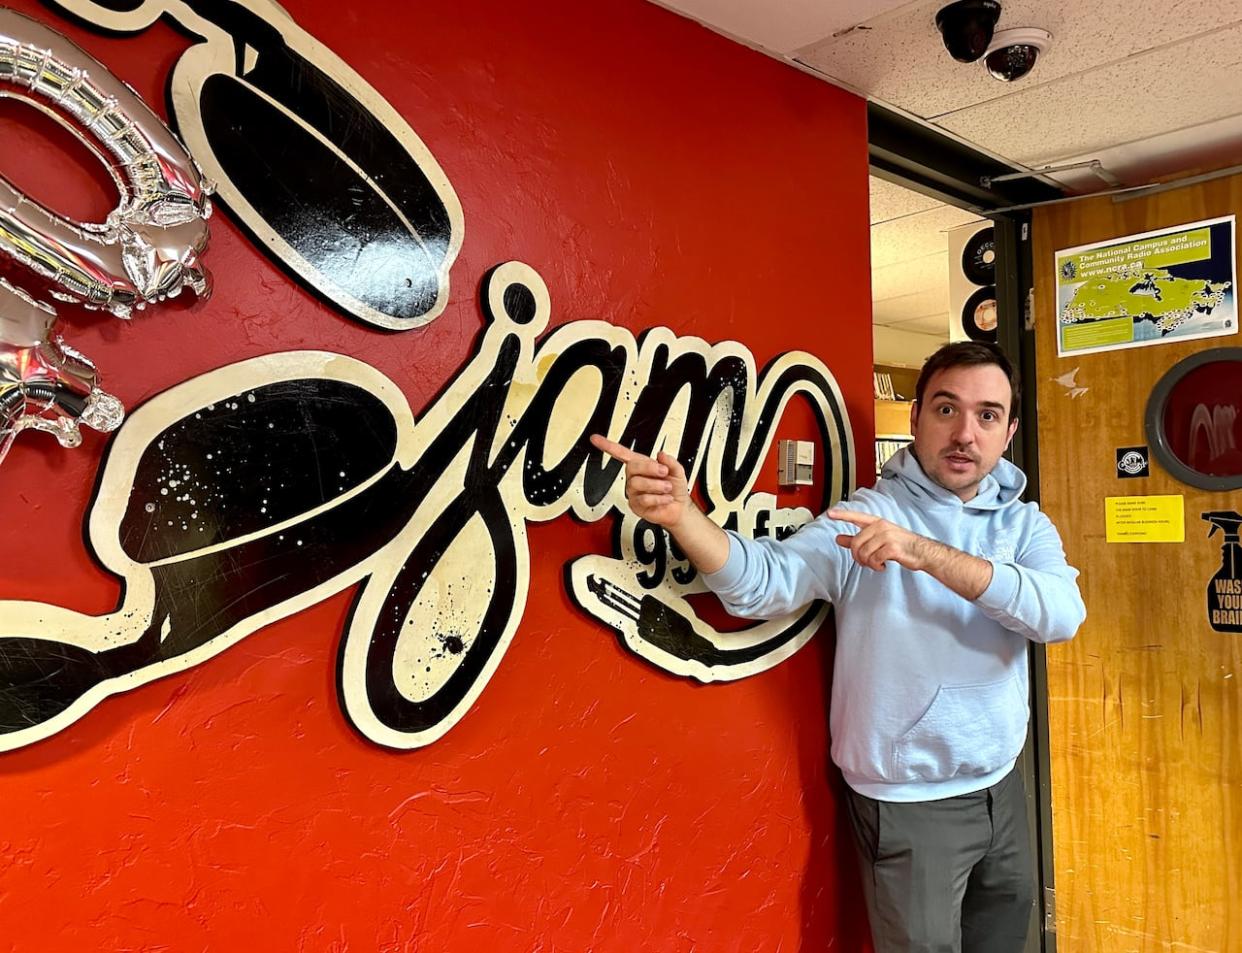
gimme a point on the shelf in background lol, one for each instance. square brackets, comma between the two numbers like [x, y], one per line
[885, 446]
[892, 416]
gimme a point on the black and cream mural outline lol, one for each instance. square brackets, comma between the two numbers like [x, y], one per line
[330, 180]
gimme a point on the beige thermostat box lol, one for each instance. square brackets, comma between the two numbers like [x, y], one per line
[796, 463]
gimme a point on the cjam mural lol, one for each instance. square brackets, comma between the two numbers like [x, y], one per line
[249, 493]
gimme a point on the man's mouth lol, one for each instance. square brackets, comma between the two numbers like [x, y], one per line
[959, 460]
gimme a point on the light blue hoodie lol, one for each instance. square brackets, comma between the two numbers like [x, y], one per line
[929, 692]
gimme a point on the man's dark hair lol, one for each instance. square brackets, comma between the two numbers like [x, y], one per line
[970, 354]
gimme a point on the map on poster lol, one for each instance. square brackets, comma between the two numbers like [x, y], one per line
[1175, 284]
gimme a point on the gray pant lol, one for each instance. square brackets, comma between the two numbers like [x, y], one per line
[950, 876]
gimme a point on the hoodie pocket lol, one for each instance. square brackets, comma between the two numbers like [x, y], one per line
[968, 730]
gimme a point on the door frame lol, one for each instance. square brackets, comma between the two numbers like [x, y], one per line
[915, 156]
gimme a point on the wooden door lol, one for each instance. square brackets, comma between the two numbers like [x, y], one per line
[1145, 704]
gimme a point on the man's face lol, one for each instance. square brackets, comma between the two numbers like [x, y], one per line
[962, 426]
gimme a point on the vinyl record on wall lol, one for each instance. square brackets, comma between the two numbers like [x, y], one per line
[979, 257]
[972, 282]
[979, 315]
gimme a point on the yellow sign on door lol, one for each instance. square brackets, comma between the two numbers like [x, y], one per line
[1145, 519]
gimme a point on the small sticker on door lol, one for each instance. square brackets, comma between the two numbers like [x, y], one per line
[1132, 462]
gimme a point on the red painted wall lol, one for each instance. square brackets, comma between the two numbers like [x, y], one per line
[654, 174]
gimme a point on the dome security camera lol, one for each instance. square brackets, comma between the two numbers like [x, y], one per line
[967, 26]
[1012, 53]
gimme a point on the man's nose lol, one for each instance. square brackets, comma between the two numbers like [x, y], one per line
[964, 431]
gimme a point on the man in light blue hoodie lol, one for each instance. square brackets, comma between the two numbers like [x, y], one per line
[940, 576]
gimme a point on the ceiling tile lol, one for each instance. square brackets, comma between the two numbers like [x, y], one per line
[910, 307]
[910, 277]
[1202, 148]
[915, 236]
[889, 201]
[900, 57]
[783, 26]
[932, 324]
[1190, 83]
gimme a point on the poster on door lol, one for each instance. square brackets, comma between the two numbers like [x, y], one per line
[1174, 284]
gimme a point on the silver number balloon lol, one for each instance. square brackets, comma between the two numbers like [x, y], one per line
[149, 247]
[45, 384]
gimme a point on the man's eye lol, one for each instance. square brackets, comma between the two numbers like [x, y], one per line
[988, 416]
[944, 410]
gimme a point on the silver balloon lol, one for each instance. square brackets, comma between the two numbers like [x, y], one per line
[149, 247]
[44, 383]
